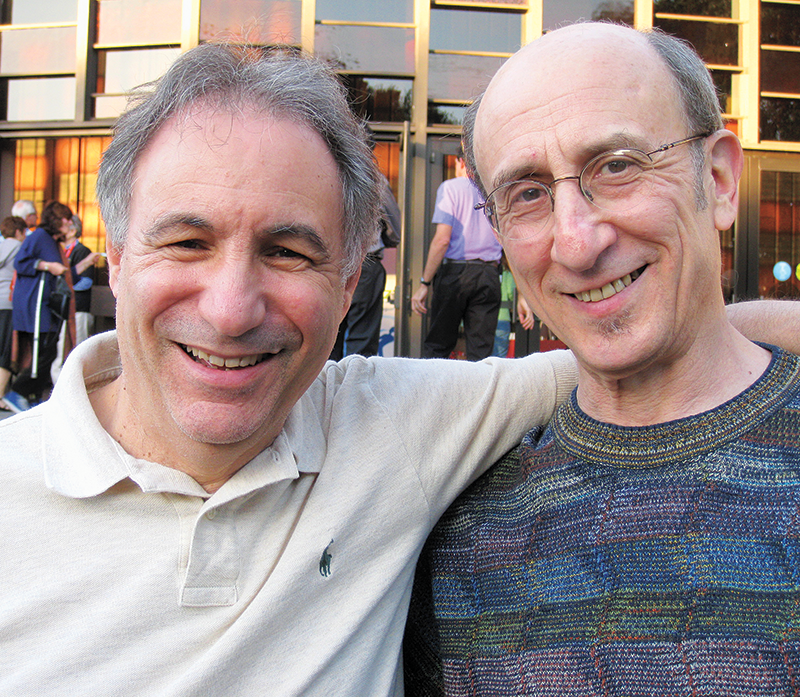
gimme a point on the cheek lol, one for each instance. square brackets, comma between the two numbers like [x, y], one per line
[529, 260]
[315, 306]
[142, 297]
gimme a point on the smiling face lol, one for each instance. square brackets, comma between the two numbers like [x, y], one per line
[229, 291]
[623, 290]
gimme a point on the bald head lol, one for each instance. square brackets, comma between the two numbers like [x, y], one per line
[595, 56]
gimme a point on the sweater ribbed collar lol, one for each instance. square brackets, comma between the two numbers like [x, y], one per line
[661, 444]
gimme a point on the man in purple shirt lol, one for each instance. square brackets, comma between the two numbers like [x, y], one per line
[464, 267]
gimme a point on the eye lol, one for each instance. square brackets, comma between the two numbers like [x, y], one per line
[286, 258]
[615, 168]
[188, 244]
[525, 194]
[530, 194]
[285, 253]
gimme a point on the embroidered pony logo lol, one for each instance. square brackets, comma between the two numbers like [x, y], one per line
[325, 561]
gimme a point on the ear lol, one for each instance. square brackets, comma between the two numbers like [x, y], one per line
[349, 288]
[727, 162]
[114, 258]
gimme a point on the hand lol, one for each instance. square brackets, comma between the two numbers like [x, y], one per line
[84, 264]
[526, 318]
[418, 300]
[55, 268]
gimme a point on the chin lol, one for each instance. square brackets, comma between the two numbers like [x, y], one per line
[219, 424]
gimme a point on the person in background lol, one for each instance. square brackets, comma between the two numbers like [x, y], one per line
[27, 211]
[13, 230]
[359, 332]
[38, 263]
[463, 265]
[508, 300]
[84, 321]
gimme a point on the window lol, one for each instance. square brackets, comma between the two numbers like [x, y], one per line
[555, 13]
[63, 169]
[779, 241]
[709, 26]
[146, 22]
[352, 48]
[260, 22]
[120, 71]
[44, 51]
[467, 47]
[780, 71]
[348, 34]
[41, 99]
[389, 11]
[43, 11]
[380, 99]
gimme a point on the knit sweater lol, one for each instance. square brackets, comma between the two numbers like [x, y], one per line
[602, 560]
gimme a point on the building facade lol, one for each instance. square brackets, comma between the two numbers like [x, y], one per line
[411, 67]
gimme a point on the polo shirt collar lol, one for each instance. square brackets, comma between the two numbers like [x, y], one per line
[82, 460]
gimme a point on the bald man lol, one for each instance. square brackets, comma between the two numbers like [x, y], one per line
[645, 542]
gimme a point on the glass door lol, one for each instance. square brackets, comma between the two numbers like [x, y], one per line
[771, 226]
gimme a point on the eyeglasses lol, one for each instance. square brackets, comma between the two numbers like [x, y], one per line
[616, 181]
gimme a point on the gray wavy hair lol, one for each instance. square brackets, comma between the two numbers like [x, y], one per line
[280, 82]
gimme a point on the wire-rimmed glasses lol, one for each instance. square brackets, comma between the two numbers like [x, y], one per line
[616, 180]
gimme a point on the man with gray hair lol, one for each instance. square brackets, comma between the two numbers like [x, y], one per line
[27, 211]
[205, 506]
[645, 542]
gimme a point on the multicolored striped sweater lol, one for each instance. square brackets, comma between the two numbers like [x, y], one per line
[610, 561]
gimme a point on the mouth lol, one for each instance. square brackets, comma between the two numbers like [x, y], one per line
[595, 295]
[220, 363]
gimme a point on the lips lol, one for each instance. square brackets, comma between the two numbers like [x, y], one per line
[221, 363]
[597, 294]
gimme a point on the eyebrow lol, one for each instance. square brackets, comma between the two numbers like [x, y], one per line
[614, 142]
[162, 225]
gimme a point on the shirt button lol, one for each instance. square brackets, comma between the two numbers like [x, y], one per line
[211, 514]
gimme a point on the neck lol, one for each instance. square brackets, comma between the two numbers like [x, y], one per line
[714, 369]
[209, 464]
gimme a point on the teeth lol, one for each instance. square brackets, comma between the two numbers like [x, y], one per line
[220, 362]
[597, 294]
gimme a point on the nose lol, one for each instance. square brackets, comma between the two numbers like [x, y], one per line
[579, 236]
[233, 298]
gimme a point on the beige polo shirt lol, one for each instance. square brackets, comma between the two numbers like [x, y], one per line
[124, 577]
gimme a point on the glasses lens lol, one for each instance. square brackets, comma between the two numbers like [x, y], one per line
[618, 180]
[518, 209]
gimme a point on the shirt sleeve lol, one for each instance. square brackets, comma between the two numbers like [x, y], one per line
[28, 256]
[444, 211]
[455, 418]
